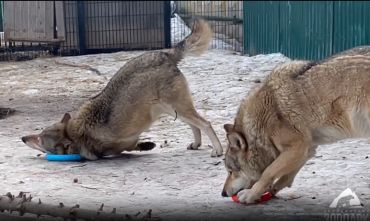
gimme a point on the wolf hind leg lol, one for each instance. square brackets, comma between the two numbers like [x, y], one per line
[178, 103]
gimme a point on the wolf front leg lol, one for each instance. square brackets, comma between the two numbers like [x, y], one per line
[284, 181]
[291, 159]
[288, 179]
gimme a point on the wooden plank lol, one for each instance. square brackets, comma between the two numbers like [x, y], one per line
[49, 20]
[59, 15]
[32, 15]
[23, 20]
[17, 18]
[34, 40]
[40, 25]
[9, 19]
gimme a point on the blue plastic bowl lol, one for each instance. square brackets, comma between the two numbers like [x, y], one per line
[72, 157]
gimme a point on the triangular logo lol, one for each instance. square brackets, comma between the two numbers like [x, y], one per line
[347, 199]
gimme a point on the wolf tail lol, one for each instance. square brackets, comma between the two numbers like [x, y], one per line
[194, 44]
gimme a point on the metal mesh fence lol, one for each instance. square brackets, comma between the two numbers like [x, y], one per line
[91, 27]
[108, 26]
[226, 18]
[1, 16]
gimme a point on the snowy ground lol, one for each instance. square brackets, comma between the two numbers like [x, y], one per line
[170, 180]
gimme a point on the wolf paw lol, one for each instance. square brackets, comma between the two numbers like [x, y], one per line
[246, 196]
[193, 146]
[216, 153]
[146, 146]
[273, 190]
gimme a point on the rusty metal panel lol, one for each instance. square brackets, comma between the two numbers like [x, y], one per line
[306, 29]
[351, 24]
[261, 27]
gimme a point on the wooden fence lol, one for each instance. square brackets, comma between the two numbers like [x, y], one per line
[31, 21]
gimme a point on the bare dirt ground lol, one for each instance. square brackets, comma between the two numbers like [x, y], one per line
[174, 182]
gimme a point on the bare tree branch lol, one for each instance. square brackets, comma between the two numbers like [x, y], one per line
[23, 204]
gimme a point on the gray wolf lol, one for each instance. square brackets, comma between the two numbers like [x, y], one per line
[301, 105]
[136, 96]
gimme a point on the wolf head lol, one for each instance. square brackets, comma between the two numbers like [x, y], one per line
[53, 140]
[244, 164]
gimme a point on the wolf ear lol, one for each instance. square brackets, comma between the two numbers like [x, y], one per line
[66, 118]
[237, 141]
[228, 127]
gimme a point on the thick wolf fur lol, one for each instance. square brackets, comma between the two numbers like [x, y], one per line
[360, 50]
[136, 96]
[300, 106]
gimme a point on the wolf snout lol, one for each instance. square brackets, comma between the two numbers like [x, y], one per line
[224, 194]
[24, 139]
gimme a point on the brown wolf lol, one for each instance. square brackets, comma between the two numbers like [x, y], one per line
[300, 106]
[359, 50]
[143, 89]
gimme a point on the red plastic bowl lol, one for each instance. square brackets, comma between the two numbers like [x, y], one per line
[265, 197]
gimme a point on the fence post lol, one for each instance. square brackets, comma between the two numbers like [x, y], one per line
[81, 27]
[244, 30]
[167, 24]
[1, 16]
